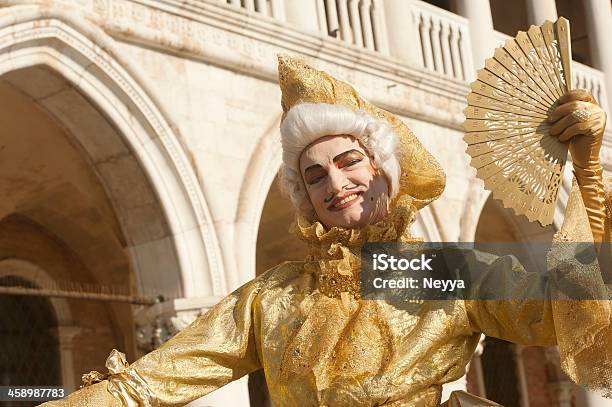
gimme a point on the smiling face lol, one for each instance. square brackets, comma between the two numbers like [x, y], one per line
[343, 185]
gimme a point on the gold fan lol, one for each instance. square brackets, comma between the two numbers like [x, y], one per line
[507, 133]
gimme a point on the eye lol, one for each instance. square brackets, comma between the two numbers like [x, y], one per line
[316, 180]
[353, 162]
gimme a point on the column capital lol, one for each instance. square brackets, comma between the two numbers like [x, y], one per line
[518, 350]
[160, 322]
[65, 334]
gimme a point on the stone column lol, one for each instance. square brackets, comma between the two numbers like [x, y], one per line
[366, 23]
[559, 386]
[353, 6]
[278, 10]
[476, 364]
[598, 18]
[345, 25]
[482, 38]
[402, 31]
[303, 14]
[65, 336]
[539, 11]
[522, 377]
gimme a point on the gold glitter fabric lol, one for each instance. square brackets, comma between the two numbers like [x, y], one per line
[607, 237]
[422, 178]
[584, 328]
[96, 395]
[320, 345]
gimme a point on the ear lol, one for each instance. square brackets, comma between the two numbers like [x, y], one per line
[379, 171]
[373, 164]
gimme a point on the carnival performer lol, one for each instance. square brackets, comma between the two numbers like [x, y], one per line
[357, 174]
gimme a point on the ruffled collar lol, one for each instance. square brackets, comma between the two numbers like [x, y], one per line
[335, 253]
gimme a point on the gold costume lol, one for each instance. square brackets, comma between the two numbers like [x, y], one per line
[319, 344]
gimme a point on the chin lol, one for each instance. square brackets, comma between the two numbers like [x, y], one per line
[349, 221]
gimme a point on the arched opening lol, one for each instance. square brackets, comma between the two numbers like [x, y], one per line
[57, 172]
[56, 215]
[501, 231]
[28, 338]
[509, 16]
[98, 190]
[502, 385]
[275, 243]
[575, 13]
[77, 74]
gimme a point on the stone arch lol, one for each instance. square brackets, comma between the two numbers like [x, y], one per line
[263, 167]
[478, 197]
[89, 71]
[426, 225]
[66, 328]
[35, 274]
[472, 208]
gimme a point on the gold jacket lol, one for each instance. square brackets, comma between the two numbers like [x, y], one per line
[320, 345]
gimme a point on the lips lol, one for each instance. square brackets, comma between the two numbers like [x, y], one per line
[344, 201]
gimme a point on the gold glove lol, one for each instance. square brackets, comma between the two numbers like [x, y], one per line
[579, 119]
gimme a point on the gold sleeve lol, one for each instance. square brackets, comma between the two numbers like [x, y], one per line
[96, 395]
[217, 348]
[521, 316]
[591, 184]
[582, 328]
[585, 149]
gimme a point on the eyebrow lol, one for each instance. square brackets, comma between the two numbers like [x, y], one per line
[336, 159]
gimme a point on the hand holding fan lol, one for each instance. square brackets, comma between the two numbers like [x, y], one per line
[506, 126]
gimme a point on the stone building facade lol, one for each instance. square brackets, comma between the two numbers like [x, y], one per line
[139, 148]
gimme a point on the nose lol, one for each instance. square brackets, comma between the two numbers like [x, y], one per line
[337, 181]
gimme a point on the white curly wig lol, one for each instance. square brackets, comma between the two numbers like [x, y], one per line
[307, 122]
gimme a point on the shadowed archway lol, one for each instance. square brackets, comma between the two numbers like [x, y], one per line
[74, 72]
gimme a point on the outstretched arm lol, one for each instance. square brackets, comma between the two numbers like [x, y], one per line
[215, 349]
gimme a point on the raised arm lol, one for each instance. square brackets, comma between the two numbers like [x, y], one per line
[575, 312]
[215, 349]
[581, 121]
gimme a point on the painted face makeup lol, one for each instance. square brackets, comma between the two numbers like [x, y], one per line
[343, 185]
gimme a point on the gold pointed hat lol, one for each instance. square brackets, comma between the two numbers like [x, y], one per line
[422, 178]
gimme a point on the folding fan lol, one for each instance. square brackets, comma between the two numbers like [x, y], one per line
[507, 133]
